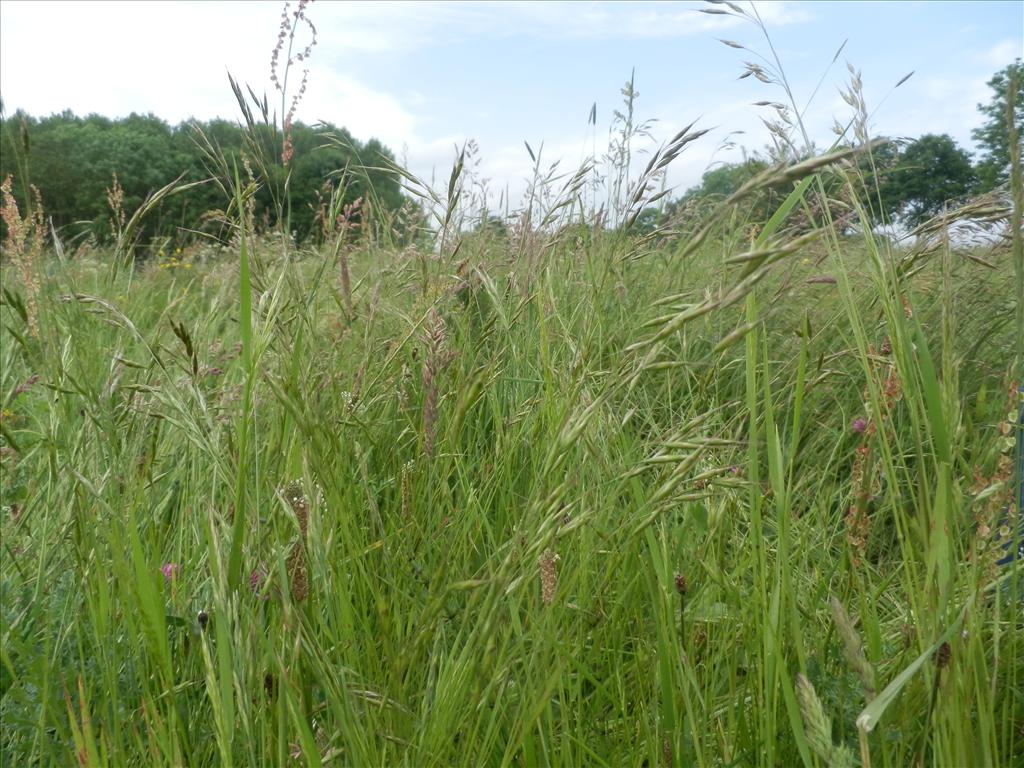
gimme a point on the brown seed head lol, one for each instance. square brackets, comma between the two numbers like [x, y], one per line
[548, 576]
[296, 499]
[269, 685]
[297, 578]
[682, 586]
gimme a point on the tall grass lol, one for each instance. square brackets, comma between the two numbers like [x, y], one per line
[708, 497]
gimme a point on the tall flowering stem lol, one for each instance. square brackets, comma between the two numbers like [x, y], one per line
[291, 22]
[24, 246]
[863, 475]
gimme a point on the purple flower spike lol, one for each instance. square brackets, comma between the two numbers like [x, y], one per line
[859, 425]
[170, 571]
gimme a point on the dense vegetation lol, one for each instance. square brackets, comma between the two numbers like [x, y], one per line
[73, 162]
[734, 486]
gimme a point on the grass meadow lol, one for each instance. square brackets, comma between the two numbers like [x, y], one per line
[729, 493]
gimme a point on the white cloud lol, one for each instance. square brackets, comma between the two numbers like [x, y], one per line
[115, 58]
[366, 113]
[1001, 54]
[383, 27]
[139, 61]
[939, 105]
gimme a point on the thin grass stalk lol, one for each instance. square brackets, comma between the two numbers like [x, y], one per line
[239, 523]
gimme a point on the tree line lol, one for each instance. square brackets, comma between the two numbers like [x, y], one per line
[82, 167]
[916, 177]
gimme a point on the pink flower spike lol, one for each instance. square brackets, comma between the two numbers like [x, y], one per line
[170, 571]
[859, 425]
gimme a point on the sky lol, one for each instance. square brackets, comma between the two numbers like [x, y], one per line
[425, 77]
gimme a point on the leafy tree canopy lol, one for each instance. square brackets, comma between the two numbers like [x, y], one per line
[72, 161]
[720, 182]
[993, 135]
[928, 173]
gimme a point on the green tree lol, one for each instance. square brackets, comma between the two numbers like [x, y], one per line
[993, 135]
[72, 161]
[648, 220]
[930, 172]
[717, 184]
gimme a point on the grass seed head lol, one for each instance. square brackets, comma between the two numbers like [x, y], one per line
[853, 649]
[297, 577]
[296, 499]
[296, 565]
[818, 727]
[682, 586]
[24, 246]
[435, 359]
[548, 576]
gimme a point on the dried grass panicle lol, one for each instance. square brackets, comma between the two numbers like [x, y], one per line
[115, 201]
[853, 649]
[24, 246]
